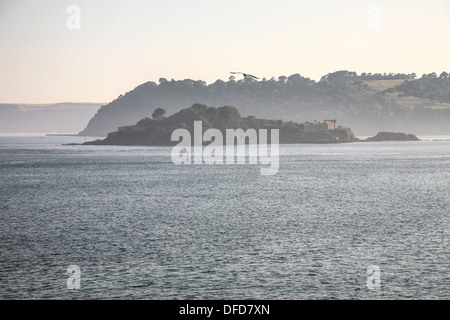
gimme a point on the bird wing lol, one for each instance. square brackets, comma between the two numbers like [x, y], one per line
[245, 74]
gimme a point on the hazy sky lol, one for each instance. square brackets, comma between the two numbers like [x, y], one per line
[121, 44]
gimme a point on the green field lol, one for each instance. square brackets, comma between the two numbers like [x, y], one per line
[381, 85]
[408, 102]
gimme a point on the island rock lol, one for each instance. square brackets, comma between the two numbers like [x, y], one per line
[392, 136]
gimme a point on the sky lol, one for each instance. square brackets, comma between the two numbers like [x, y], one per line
[94, 50]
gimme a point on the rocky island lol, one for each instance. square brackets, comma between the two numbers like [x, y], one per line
[392, 136]
[158, 130]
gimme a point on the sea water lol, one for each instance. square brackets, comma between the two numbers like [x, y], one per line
[140, 227]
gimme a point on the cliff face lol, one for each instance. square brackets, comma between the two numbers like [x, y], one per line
[393, 136]
[157, 132]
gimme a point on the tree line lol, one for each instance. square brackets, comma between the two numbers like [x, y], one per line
[342, 95]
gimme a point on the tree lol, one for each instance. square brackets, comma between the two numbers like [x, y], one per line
[389, 91]
[282, 79]
[158, 113]
[444, 75]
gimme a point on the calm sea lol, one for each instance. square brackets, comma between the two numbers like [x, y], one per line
[139, 227]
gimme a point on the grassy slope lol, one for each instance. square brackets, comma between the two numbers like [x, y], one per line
[381, 85]
[408, 102]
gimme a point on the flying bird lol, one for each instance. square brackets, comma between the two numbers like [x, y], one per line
[244, 74]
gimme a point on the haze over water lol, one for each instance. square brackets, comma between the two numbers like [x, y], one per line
[140, 227]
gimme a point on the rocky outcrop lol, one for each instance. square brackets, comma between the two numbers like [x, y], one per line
[393, 136]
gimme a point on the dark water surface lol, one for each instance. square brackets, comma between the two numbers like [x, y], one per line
[140, 227]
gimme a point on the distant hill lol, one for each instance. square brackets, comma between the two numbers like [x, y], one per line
[53, 118]
[368, 103]
[158, 131]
